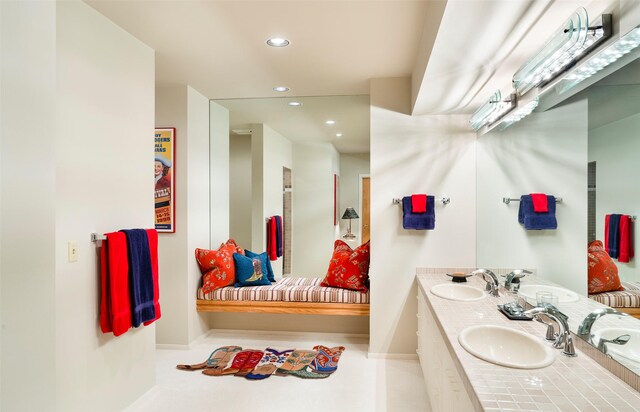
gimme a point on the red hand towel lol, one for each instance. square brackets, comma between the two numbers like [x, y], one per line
[626, 242]
[105, 313]
[152, 235]
[540, 202]
[606, 234]
[272, 244]
[116, 276]
[418, 203]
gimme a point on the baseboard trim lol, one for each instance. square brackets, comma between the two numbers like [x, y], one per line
[401, 356]
[171, 346]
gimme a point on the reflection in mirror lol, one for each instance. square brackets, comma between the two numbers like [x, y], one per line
[592, 134]
[306, 162]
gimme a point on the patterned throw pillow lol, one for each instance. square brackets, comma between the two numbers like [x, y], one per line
[603, 272]
[262, 256]
[348, 269]
[217, 267]
[250, 272]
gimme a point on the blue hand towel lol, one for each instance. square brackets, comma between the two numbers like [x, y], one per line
[418, 221]
[279, 235]
[614, 236]
[537, 221]
[140, 277]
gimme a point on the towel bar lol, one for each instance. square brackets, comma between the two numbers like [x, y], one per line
[444, 200]
[507, 200]
[97, 238]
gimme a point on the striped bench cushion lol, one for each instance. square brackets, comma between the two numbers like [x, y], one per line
[627, 298]
[288, 290]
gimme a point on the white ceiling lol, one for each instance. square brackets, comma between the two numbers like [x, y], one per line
[307, 123]
[218, 47]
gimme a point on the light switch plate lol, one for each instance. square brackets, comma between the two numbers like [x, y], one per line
[73, 251]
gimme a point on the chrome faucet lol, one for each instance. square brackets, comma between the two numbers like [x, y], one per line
[512, 283]
[620, 340]
[584, 331]
[492, 280]
[563, 339]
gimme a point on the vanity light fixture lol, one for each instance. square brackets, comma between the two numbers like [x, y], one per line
[519, 114]
[625, 45]
[278, 42]
[294, 104]
[492, 110]
[571, 42]
[281, 89]
[338, 135]
[330, 122]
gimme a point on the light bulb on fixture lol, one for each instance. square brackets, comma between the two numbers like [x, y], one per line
[278, 42]
[338, 134]
[625, 45]
[330, 122]
[281, 89]
[570, 43]
[294, 104]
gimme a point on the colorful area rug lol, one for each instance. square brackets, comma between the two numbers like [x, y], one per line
[256, 364]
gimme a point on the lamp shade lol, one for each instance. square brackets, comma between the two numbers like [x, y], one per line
[350, 214]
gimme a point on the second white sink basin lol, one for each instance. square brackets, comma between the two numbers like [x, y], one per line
[462, 293]
[564, 295]
[629, 351]
[506, 347]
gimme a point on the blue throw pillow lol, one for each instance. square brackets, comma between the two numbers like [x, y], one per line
[250, 272]
[262, 256]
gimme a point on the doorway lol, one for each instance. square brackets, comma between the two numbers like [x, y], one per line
[287, 204]
[365, 207]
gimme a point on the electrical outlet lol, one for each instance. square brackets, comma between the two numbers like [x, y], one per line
[73, 251]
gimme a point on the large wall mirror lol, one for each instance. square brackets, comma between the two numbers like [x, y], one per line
[583, 147]
[305, 159]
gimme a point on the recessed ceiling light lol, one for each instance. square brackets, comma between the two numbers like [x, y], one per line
[295, 104]
[281, 89]
[278, 42]
[330, 122]
[338, 134]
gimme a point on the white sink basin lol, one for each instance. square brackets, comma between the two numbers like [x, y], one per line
[564, 295]
[506, 347]
[462, 293]
[629, 351]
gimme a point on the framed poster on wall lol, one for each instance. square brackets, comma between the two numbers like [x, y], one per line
[165, 179]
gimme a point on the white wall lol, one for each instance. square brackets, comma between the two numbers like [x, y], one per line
[409, 154]
[103, 152]
[270, 153]
[219, 173]
[187, 110]
[615, 149]
[198, 196]
[547, 153]
[240, 189]
[27, 239]
[314, 165]
[352, 165]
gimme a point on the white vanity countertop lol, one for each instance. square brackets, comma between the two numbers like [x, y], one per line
[569, 384]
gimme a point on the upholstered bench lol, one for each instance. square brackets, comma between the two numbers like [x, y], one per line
[287, 295]
[627, 300]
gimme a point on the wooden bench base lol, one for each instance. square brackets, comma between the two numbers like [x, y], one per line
[300, 308]
[635, 312]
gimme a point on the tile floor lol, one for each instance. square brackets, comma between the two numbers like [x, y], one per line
[359, 384]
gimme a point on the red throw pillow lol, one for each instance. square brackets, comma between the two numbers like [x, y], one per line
[217, 267]
[603, 272]
[348, 269]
